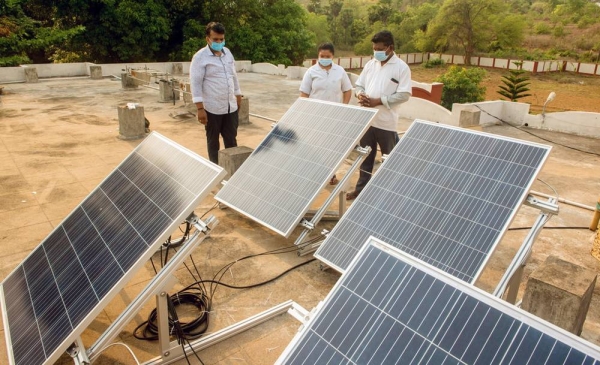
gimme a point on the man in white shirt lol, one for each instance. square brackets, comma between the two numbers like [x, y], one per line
[383, 84]
[216, 90]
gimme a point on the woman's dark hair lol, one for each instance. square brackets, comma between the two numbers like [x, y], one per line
[215, 27]
[326, 47]
[385, 37]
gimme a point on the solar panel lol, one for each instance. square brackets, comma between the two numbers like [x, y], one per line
[49, 299]
[390, 308]
[444, 195]
[281, 178]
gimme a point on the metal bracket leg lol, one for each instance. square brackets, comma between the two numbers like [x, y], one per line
[362, 153]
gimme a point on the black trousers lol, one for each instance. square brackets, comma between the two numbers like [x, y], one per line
[225, 125]
[373, 137]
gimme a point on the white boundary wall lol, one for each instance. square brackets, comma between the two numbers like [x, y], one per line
[581, 123]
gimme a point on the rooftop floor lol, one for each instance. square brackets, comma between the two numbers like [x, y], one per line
[58, 140]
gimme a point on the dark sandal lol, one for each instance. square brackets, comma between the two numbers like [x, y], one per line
[352, 195]
[334, 180]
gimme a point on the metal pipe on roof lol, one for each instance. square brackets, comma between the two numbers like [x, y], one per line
[562, 200]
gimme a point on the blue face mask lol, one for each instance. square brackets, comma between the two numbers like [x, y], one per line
[325, 62]
[217, 47]
[380, 56]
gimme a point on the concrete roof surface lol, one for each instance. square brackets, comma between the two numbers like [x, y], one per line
[58, 140]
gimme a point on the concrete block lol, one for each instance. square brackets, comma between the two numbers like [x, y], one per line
[177, 68]
[128, 82]
[96, 72]
[142, 77]
[232, 158]
[560, 292]
[168, 91]
[294, 73]
[132, 123]
[469, 117]
[31, 75]
[243, 66]
[187, 92]
[244, 112]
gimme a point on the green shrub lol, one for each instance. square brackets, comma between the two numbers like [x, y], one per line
[515, 84]
[542, 28]
[462, 85]
[434, 62]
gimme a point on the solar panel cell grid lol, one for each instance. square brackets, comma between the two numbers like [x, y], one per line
[444, 195]
[390, 309]
[77, 267]
[280, 179]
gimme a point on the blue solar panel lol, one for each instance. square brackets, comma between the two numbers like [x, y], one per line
[279, 181]
[390, 308]
[64, 283]
[444, 195]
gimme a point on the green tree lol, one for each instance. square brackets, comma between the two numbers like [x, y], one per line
[466, 25]
[265, 30]
[515, 84]
[462, 85]
[384, 11]
[415, 19]
[315, 6]
[25, 39]
[317, 24]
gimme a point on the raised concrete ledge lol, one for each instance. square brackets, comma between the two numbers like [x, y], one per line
[265, 68]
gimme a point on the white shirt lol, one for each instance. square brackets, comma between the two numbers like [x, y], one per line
[214, 81]
[328, 85]
[378, 82]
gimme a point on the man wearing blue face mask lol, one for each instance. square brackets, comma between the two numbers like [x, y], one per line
[384, 84]
[216, 90]
[326, 81]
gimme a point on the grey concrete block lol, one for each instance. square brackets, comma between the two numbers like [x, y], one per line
[132, 123]
[31, 75]
[187, 92]
[127, 82]
[469, 117]
[177, 68]
[168, 91]
[560, 292]
[232, 158]
[96, 72]
[244, 112]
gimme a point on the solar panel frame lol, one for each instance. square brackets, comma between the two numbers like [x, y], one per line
[287, 128]
[351, 212]
[135, 266]
[376, 246]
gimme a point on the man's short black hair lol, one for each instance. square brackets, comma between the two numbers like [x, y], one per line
[326, 47]
[385, 37]
[215, 27]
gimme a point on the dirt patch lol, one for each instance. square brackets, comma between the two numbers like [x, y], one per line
[9, 113]
[84, 119]
[573, 91]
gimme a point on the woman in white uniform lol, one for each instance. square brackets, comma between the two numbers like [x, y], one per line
[326, 81]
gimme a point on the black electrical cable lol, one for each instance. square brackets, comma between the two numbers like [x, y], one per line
[190, 330]
[197, 295]
[257, 284]
[535, 135]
